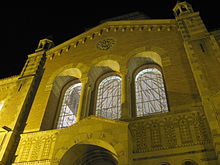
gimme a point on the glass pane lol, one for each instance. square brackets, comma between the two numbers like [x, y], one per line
[1, 104]
[109, 98]
[69, 107]
[150, 92]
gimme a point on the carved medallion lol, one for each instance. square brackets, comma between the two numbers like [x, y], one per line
[105, 44]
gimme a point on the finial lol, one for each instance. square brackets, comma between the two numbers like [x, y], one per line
[45, 44]
[182, 8]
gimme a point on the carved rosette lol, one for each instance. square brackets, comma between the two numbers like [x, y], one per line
[105, 44]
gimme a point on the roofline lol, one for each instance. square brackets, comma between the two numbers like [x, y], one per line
[146, 21]
[215, 31]
[8, 80]
[104, 26]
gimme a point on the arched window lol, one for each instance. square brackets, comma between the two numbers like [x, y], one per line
[109, 98]
[69, 106]
[150, 92]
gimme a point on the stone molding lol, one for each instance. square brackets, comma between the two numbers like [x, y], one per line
[170, 131]
[35, 147]
[9, 80]
[160, 132]
[114, 26]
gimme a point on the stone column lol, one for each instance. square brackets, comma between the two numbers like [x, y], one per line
[82, 100]
[125, 108]
[87, 96]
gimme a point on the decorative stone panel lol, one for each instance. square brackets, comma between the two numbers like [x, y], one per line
[35, 147]
[164, 131]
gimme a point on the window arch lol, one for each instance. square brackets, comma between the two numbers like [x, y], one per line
[69, 106]
[109, 98]
[150, 92]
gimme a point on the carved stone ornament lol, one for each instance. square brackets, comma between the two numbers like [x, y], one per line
[105, 44]
[170, 131]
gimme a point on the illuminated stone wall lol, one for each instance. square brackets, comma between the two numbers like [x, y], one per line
[188, 56]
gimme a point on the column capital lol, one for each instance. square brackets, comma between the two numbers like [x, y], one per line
[124, 70]
[84, 79]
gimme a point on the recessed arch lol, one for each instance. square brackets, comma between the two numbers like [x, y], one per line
[139, 62]
[69, 101]
[65, 72]
[149, 48]
[68, 70]
[62, 76]
[57, 81]
[74, 72]
[114, 65]
[97, 71]
[142, 58]
[95, 76]
[88, 153]
[100, 143]
[100, 66]
[89, 136]
[150, 55]
[65, 76]
[150, 90]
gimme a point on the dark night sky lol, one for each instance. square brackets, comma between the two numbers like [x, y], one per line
[22, 28]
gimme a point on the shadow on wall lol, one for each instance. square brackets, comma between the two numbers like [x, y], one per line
[88, 154]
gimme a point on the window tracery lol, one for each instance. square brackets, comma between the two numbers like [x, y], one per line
[109, 98]
[69, 106]
[150, 92]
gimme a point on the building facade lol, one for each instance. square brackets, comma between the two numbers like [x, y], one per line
[127, 92]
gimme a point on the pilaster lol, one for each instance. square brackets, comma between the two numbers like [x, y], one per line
[125, 109]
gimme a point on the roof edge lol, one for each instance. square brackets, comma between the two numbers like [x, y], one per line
[8, 80]
[104, 26]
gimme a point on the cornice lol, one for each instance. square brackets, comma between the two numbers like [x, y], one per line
[113, 26]
[8, 80]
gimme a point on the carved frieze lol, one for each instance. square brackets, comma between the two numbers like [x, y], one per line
[155, 134]
[185, 132]
[169, 134]
[35, 146]
[176, 130]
